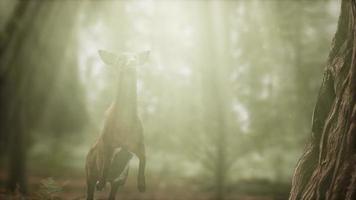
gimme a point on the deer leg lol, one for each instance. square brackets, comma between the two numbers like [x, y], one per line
[90, 176]
[107, 155]
[116, 184]
[114, 187]
[122, 180]
[140, 153]
[90, 189]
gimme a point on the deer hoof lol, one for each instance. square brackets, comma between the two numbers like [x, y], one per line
[100, 185]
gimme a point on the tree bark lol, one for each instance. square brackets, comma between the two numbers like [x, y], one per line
[327, 169]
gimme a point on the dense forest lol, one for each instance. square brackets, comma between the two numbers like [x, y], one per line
[226, 97]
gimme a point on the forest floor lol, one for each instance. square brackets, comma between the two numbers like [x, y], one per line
[73, 188]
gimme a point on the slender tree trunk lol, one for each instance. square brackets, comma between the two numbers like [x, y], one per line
[327, 169]
[213, 82]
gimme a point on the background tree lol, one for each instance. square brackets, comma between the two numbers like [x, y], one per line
[213, 76]
[32, 98]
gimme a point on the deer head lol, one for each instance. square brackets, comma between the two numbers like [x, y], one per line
[125, 66]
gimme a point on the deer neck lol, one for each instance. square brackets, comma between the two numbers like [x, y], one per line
[126, 97]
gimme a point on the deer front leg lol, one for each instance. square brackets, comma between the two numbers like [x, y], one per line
[106, 155]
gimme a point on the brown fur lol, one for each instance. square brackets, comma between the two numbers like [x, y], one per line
[122, 128]
[123, 133]
[117, 133]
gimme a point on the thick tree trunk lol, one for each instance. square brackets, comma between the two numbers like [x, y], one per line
[31, 62]
[13, 80]
[327, 169]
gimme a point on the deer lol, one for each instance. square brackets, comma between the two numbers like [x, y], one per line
[122, 133]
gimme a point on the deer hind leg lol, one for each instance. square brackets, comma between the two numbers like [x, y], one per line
[123, 178]
[116, 184]
[113, 190]
[91, 174]
[139, 151]
[107, 154]
[90, 189]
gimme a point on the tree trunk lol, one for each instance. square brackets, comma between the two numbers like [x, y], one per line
[327, 169]
[213, 81]
[12, 90]
[31, 62]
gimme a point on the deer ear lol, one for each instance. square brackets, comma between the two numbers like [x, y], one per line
[110, 58]
[142, 57]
